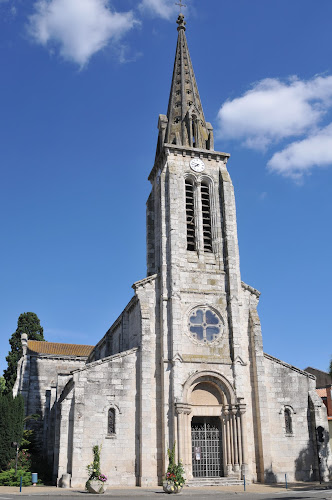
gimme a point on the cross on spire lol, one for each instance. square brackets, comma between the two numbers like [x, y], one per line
[180, 4]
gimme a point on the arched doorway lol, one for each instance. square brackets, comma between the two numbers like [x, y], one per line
[211, 441]
[206, 430]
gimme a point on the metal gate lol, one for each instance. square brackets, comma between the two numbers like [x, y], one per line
[206, 447]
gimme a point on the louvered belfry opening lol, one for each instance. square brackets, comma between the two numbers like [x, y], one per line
[190, 213]
[206, 215]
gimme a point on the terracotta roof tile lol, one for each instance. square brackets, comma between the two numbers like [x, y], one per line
[40, 347]
[322, 392]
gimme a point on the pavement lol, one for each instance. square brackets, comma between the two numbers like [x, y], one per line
[254, 488]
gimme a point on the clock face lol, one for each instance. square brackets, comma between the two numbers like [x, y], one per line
[197, 165]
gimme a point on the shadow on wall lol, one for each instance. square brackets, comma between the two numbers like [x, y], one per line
[311, 464]
[323, 443]
[306, 465]
[269, 476]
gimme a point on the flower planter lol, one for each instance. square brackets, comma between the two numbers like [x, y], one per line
[97, 487]
[171, 487]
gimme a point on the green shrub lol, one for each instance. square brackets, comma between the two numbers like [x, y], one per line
[9, 478]
[23, 461]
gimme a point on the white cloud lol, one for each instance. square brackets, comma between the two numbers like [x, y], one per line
[291, 111]
[79, 28]
[161, 8]
[300, 157]
[274, 110]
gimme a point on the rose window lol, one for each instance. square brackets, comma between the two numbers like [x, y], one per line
[205, 325]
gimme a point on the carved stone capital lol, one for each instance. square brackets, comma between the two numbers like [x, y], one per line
[234, 409]
[226, 409]
[182, 408]
[242, 408]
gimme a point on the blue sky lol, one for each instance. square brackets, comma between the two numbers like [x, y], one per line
[81, 88]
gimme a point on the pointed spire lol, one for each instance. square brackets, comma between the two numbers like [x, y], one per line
[185, 124]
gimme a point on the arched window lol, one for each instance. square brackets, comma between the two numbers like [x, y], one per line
[111, 421]
[206, 216]
[288, 421]
[190, 213]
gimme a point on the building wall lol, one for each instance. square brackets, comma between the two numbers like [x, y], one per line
[124, 334]
[93, 390]
[126, 381]
[37, 382]
[293, 453]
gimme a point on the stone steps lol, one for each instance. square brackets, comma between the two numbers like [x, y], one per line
[214, 481]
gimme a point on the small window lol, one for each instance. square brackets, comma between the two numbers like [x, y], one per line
[194, 133]
[111, 421]
[190, 214]
[288, 421]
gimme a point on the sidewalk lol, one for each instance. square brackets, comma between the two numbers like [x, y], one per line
[139, 492]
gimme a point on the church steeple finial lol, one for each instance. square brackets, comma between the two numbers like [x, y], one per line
[181, 22]
[185, 123]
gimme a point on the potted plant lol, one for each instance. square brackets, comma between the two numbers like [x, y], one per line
[174, 480]
[97, 481]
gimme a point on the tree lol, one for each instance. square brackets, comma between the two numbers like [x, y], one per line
[6, 452]
[27, 323]
[2, 385]
[331, 367]
[11, 426]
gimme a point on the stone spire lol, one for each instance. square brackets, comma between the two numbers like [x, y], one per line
[185, 123]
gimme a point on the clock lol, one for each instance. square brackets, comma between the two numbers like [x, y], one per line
[197, 165]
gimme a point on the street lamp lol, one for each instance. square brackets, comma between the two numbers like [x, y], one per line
[16, 445]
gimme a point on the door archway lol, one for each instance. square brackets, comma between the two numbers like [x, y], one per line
[210, 427]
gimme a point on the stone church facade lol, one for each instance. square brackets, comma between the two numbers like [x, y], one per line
[184, 361]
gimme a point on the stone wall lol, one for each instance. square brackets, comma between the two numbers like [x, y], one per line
[87, 398]
[37, 382]
[293, 451]
[124, 333]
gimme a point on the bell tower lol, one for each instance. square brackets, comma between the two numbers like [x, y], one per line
[192, 250]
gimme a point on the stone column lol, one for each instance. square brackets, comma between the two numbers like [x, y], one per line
[224, 443]
[198, 219]
[244, 466]
[182, 411]
[228, 442]
[188, 461]
[231, 434]
[238, 424]
[63, 444]
[235, 439]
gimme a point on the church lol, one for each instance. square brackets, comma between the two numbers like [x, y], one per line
[184, 362]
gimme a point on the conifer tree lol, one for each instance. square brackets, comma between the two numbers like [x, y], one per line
[17, 418]
[5, 431]
[2, 385]
[11, 426]
[27, 323]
